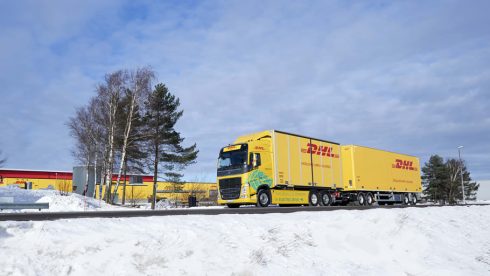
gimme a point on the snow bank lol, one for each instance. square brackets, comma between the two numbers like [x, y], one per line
[57, 202]
[411, 241]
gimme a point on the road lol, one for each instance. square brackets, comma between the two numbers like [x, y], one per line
[32, 216]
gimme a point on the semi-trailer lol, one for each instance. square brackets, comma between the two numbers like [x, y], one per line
[276, 167]
[372, 175]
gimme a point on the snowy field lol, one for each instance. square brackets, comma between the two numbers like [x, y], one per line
[411, 241]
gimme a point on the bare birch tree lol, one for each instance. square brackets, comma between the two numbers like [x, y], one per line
[110, 94]
[137, 90]
[88, 134]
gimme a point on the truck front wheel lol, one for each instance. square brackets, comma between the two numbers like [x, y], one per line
[263, 198]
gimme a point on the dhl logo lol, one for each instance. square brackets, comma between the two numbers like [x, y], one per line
[320, 150]
[404, 165]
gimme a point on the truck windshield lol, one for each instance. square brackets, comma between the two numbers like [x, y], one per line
[232, 159]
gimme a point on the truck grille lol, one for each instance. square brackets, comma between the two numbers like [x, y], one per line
[230, 188]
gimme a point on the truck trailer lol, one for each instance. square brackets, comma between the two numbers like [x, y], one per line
[276, 167]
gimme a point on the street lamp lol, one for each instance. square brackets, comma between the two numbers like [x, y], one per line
[461, 168]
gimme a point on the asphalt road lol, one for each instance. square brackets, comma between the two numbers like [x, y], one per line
[33, 216]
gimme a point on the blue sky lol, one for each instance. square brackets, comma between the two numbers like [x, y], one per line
[406, 76]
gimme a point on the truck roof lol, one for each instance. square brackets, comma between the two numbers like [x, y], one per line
[352, 145]
[265, 133]
[302, 136]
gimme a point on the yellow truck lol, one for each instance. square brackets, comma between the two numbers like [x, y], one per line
[275, 167]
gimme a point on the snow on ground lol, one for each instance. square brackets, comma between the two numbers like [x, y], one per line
[72, 201]
[57, 202]
[410, 241]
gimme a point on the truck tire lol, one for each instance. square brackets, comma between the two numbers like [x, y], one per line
[263, 198]
[313, 198]
[361, 199]
[414, 200]
[325, 198]
[369, 199]
[406, 199]
[233, 205]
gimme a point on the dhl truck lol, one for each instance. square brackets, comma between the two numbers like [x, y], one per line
[275, 167]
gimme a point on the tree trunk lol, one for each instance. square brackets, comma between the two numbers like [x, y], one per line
[86, 178]
[155, 171]
[110, 161]
[95, 173]
[102, 176]
[124, 185]
[127, 131]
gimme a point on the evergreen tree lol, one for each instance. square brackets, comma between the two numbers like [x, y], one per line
[434, 177]
[163, 141]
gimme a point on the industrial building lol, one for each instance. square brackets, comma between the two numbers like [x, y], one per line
[138, 187]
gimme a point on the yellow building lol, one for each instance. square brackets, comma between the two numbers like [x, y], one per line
[135, 192]
[203, 191]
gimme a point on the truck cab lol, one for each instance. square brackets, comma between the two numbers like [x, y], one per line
[274, 167]
[243, 169]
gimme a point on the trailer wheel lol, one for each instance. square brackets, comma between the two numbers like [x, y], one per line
[406, 199]
[369, 199]
[361, 199]
[233, 205]
[313, 198]
[263, 198]
[325, 198]
[414, 199]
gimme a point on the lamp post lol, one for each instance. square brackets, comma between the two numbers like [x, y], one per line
[461, 168]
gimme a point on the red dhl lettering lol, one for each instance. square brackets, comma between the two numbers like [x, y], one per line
[259, 148]
[404, 165]
[319, 150]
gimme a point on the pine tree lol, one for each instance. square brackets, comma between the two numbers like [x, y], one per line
[163, 141]
[435, 175]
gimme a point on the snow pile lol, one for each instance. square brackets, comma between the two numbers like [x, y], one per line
[57, 202]
[411, 241]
